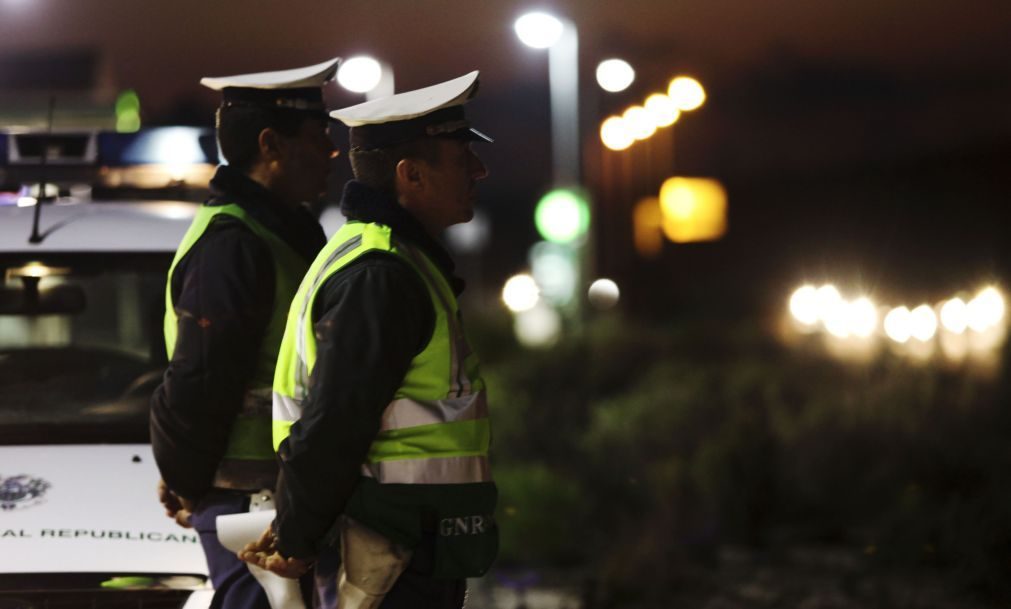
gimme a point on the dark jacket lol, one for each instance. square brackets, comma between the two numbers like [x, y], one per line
[371, 319]
[223, 290]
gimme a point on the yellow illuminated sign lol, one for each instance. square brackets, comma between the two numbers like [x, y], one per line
[693, 209]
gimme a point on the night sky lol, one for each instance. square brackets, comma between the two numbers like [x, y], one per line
[866, 141]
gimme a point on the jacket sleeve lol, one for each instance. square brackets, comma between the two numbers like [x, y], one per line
[224, 290]
[371, 319]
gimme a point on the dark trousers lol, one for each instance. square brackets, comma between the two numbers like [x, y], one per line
[412, 590]
[234, 586]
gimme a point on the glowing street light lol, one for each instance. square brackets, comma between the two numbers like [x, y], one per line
[686, 92]
[662, 110]
[615, 134]
[520, 293]
[559, 36]
[538, 30]
[614, 75]
[364, 74]
[639, 122]
[359, 74]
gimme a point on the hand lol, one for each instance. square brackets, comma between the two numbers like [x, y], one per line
[176, 507]
[263, 553]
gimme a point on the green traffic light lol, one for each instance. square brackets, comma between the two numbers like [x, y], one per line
[562, 216]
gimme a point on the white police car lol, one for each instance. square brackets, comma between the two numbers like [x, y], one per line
[81, 351]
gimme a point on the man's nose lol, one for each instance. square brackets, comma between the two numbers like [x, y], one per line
[478, 169]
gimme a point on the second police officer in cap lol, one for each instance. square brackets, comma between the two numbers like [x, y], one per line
[227, 298]
[380, 414]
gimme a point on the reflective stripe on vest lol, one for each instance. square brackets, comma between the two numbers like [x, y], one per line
[436, 429]
[249, 438]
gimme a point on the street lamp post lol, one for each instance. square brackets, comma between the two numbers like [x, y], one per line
[560, 37]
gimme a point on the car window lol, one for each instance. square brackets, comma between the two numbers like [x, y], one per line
[84, 374]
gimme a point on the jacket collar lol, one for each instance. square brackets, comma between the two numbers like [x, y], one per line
[296, 227]
[365, 204]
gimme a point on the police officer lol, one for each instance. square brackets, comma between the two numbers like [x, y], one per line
[227, 298]
[380, 413]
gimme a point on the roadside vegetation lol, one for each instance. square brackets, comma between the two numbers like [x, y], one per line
[633, 455]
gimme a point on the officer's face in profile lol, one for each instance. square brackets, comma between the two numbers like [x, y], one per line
[304, 160]
[451, 182]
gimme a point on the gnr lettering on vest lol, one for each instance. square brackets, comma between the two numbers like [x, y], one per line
[464, 525]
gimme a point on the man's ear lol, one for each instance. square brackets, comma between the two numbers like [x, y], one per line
[410, 176]
[269, 142]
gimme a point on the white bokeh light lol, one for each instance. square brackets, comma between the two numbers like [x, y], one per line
[986, 309]
[862, 317]
[804, 305]
[836, 317]
[359, 74]
[539, 326]
[538, 30]
[827, 298]
[662, 110]
[520, 293]
[923, 323]
[898, 324]
[640, 124]
[555, 272]
[686, 92]
[955, 315]
[615, 134]
[614, 75]
[603, 293]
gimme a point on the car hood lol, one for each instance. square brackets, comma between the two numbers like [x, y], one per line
[89, 509]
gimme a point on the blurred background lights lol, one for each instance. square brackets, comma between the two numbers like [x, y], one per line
[898, 324]
[538, 30]
[470, 237]
[615, 134]
[939, 329]
[955, 315]
[827, 297]
[614, 75]
[359, 74]
[562, 216]
[686, 92]
[554, 268]
[647, 222]
[836, 317]
[693, 209]
[662, 110]
[639, 122]
[520, 293]
[985, 310]
[128, 112]
[167, 145]
[603, 293]
[804, 305]
[922, 323]
[862, 317]
[539, 326]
